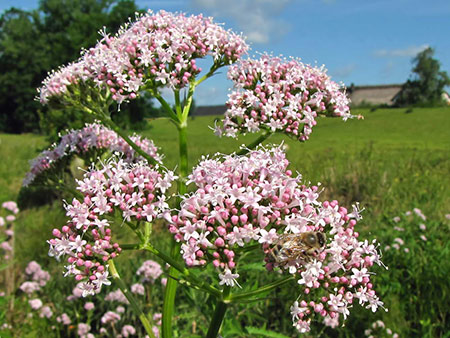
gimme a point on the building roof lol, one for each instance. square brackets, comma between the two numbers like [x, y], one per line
[210, 110]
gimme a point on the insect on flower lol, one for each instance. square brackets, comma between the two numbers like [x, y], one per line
[304, 247]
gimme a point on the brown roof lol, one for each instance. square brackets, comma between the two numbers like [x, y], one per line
[209, 110]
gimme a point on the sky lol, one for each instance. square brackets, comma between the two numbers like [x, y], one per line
[365, 42]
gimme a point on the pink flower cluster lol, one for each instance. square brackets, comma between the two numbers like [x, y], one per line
[39, 278]
[379, 329]
[254, 199]
[133, 191]
[83, 331]
[150, 271]
[340, 274]
[11, 206]
[280, 95]
[116, 296]
[235, 199]
[6, 224]
[157, 50]
[92, 136]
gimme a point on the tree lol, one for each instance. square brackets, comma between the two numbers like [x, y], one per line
[23, 64]
[34, 42]
[426, 84]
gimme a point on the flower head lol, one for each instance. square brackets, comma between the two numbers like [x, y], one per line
[254, 199]
[93, 136]
[280, 95]
[128, 189]
[150, 271]
[158, 49]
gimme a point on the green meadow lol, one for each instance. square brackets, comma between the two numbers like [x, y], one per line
[392, 161]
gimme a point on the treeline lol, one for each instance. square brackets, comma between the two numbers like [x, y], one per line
[35, 42]
[427, 83]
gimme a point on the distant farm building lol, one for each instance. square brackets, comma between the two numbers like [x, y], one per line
[374, 95]
[210, 110]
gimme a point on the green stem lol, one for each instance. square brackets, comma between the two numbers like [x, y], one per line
[246, 295]
[190, 277]
[182, 134]
[179, 118]
[188, 103]
[173, 116]
[110, 123]
[210, 73]
[169, 301]
[130, 246]
[219, 315]
[134, 304]
[177, 103]
[254, 144]
[171, 286]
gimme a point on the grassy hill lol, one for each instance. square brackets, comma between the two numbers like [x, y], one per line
[389, 145]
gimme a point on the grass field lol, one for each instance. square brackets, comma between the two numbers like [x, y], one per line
[365, 160]
[391, 162]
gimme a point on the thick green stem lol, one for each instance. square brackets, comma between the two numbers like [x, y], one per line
[182, 134]
[254, 144]
[179, 118]
[169, 303]
[171, 286]
[178, 103]
[219, 315]
[134, 304]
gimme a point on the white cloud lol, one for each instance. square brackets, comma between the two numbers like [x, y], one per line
[257, 19]
[409, 51]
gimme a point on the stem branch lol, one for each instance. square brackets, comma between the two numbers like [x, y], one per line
[219, 315]
[110, 123]
[255, 143]
[134, 304]
[246, 295]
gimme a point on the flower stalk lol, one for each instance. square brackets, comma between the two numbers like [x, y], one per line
[133, 302]
[264, 136]
[110, 123]
[219, 314]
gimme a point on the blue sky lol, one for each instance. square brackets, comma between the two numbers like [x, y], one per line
[364, 42]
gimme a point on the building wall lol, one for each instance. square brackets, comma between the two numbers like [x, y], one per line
[374, 94]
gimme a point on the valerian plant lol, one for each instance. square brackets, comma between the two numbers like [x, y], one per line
[243, 201]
